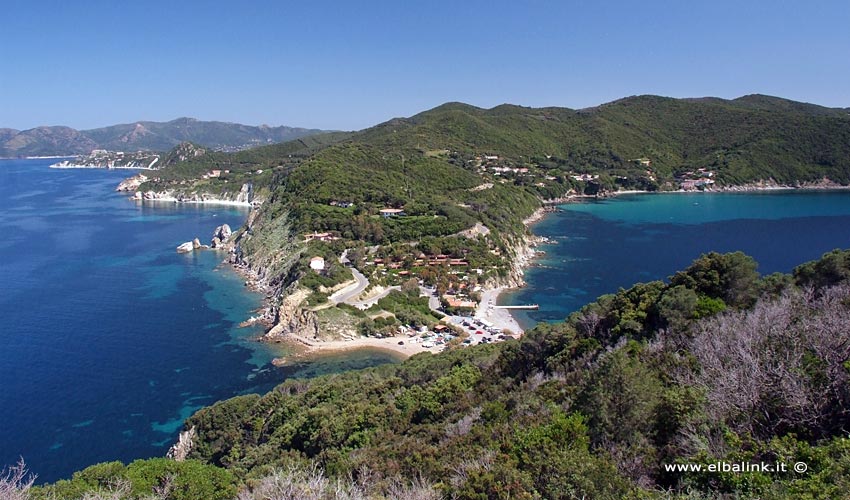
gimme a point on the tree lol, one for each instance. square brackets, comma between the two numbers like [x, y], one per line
[411, 287]
[676, 307]
[731, 277]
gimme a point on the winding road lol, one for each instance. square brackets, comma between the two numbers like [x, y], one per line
[350, 292]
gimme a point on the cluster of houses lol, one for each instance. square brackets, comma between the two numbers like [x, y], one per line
[585, 177]
[505, 170]
[699, 179]
[341, 204]
[215, 174]
[457, 295]
[316, 236]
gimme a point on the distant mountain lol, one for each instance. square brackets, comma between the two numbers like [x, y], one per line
[44, 141]
[156, 136]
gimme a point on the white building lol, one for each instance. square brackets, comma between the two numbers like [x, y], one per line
[317, 264]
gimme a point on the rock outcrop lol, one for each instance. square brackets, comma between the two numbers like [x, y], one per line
[293, 320]
[179, 451]
[246, 193]
[245, 196]
[132, 183]
[185, 247]
[220, 236]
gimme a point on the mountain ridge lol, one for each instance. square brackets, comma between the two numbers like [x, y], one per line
[143, 135]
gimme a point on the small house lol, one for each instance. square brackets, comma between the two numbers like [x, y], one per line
[317, 264]
[392, 212]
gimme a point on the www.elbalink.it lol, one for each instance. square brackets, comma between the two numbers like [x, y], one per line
[738, 467]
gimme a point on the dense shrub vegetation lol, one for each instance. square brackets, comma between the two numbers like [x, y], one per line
[594, 407]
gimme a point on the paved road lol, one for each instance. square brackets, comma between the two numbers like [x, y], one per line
[349, 292]
[433, 301]
[366, 304]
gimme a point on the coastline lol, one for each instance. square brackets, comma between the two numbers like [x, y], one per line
[500, 318]
[525, 253]
[525, 258]
[215, 201]
[742, 188]
[95, 167]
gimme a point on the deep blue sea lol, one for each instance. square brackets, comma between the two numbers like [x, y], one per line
[109, 339]
[604, 245]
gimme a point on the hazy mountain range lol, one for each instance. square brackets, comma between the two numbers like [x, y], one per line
[143, 135]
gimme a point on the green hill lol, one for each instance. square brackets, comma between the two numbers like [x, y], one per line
[744, 140]
[457, 165]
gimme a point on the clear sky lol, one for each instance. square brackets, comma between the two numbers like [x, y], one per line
[352, 64]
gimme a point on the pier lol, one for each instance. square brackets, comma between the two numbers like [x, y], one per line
[532, 307]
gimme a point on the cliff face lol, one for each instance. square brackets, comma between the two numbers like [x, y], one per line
[291, 319]
[245, 195]
[522, 250]
[264, 252]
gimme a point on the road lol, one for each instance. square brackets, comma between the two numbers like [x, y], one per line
[433, 301]
[349, 293]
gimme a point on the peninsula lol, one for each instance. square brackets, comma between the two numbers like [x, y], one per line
[417, 224]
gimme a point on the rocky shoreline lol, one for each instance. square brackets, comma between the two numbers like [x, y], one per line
[244, 198]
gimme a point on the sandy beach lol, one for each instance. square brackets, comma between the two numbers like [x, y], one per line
[404, 351]
[501, 318]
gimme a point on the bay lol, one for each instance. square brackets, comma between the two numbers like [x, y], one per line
[109, 339]
[600, 246]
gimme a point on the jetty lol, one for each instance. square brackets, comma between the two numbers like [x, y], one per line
[532, 307]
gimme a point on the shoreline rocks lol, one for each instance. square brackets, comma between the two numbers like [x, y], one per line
[220, 236]
[179, 451]
[185, 247]
[132, 183]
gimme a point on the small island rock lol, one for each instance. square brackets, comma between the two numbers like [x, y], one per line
[220, 235]
[186, 247]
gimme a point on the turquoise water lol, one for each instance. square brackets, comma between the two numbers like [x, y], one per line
[109, 338]
[603, 245]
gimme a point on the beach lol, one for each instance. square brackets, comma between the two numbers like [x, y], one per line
[500, 318]
[308, 348]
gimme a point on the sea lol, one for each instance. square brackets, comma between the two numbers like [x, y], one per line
[602, 245]
[109, 339]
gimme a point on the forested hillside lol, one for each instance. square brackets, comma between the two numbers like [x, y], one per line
[429, 164]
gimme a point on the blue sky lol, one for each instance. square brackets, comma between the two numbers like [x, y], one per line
[350, 65]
